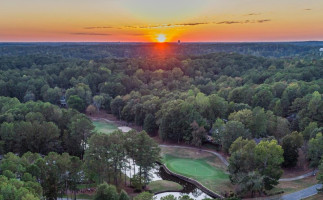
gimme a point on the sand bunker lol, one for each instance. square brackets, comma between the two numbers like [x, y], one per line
[124, 129]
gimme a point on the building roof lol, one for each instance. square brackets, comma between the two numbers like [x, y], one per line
[258, 140]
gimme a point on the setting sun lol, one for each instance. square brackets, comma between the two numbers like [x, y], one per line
[161, 38]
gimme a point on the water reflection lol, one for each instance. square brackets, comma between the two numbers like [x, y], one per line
[198, 195]
[158, 173]
[188, 188]
[154, 173]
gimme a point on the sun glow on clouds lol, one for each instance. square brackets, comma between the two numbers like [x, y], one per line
[145, 20]
[161, 38]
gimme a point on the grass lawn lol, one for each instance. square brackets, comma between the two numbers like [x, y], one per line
[193, 168]
[204, 167]
[104, 127]
[164, 186]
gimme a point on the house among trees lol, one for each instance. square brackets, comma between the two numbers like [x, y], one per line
[63, 101]
[257, 140]
[209, 138]
[321, 51]
[291, 117]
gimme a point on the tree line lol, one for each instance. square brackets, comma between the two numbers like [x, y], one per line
[107, 159]
[42, 128]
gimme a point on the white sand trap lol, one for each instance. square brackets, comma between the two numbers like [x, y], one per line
[124, 129]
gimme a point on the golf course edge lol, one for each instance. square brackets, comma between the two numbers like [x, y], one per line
[195, 182]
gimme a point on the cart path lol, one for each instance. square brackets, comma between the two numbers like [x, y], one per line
[300, 177]
[301, 194]
[193, 148]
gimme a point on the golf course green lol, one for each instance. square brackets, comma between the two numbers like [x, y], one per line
[195, 168]
[104, 127]
[201, 166]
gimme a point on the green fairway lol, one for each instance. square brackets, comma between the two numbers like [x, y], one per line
[196, 168]
[201, 166]
[104, 127]
[163, 186]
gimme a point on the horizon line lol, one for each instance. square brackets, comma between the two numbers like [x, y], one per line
[182, 42]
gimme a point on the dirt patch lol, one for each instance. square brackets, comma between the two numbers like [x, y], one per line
[293, 172]
[183, 144]
[214, 161]
[297, 185]
[302, 167]
[292, 186]
[184, 153]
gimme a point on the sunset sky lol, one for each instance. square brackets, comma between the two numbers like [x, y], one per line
[146, 20]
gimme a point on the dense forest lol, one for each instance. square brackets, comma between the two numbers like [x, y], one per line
[134, 50]
[235, 93]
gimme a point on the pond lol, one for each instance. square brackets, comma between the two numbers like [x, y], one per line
[158, 173]
[189, 189]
